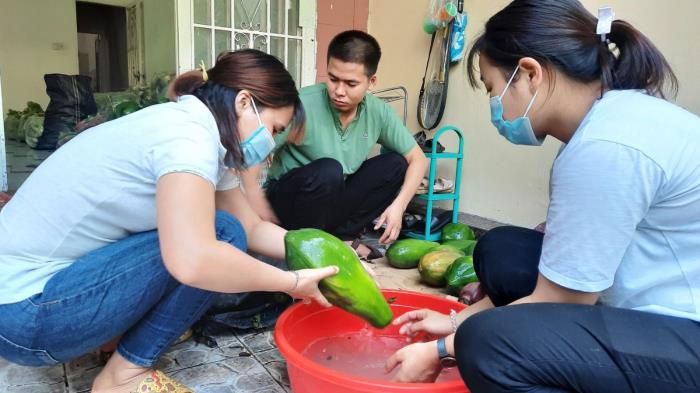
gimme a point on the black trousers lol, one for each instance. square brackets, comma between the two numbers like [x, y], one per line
[566, 348]
[318, 196]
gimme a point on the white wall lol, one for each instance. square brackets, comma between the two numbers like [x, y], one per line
[501, 181]
[37, 37]
[3, 165]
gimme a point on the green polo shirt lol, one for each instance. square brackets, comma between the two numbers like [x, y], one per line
[375, 122]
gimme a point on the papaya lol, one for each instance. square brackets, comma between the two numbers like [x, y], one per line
[406, 253]
[465, 246]
[457, 231]
[450, 247]
[433, 265]
[460, 273]
[352, 289]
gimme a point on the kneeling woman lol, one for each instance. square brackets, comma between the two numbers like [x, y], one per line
[121, 231]
[608, 299]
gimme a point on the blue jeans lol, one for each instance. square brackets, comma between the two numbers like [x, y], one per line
[122, 289]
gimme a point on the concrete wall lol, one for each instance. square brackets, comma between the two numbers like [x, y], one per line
[501, 181]
[37, 37]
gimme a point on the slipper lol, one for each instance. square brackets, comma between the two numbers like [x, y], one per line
[374, 252]
[441, 186]
[438, 221]
[410, 220]
[426, 145]
[184, 337]
[157, 382]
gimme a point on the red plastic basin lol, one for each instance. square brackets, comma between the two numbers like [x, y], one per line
[302, 324]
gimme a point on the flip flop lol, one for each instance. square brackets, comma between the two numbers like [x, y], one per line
[410, 220]
[441, 186]
[426, 145]
[374, 253]
[439, 220]
[157, 382]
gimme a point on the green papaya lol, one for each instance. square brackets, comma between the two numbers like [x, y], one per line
[406, 253]
[460, 273]
[465, 246]
[352, 289]
[433, 265]
[457, 231]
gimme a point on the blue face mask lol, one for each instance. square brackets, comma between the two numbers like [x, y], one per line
[518, 131]
[259, 144]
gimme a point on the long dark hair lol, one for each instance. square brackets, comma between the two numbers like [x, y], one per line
[248, 69]
[562, 34]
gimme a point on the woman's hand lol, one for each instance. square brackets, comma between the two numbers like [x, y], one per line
[419, 363]
[305, 284]
[424, 320]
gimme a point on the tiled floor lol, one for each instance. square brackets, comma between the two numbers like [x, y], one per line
[242, 362]
[21, 161]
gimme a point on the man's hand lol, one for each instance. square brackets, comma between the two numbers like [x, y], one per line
[392, 217]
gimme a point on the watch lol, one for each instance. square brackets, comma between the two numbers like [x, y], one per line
[446, 360]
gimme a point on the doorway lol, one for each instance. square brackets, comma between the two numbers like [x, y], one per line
[102, 46]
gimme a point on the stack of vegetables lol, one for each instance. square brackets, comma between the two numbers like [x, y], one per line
[26, 125]
[448, 265]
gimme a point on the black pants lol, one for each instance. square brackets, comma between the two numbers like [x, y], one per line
[318, 196]
[566, 348]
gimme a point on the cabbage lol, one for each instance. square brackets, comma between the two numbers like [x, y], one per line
[33, 128]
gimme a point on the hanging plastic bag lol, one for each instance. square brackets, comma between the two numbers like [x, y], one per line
[458, 28]
[438, 15]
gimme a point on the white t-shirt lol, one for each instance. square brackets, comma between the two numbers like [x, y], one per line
[624, 216]
[100, 188]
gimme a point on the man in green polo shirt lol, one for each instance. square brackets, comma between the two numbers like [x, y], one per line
[327, 181]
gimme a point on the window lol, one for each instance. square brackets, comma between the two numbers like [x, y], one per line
[283, 28]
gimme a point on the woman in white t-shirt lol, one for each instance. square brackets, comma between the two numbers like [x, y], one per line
[121, 232]
[608, 299]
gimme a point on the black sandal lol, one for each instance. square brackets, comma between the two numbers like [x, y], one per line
[374, 252]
